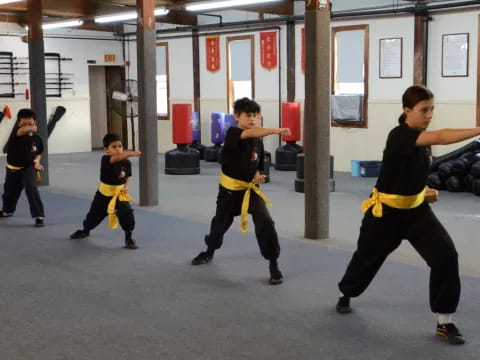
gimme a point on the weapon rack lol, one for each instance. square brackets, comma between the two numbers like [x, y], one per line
[55, 80]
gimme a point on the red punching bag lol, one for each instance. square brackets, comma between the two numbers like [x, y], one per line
[182, 124]
[291, 120]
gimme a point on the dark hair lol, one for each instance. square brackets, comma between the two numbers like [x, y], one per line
[110, 138]
[245, 105]
[412, 96]
[26, 114]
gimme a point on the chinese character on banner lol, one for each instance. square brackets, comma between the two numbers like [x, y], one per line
[268, 50]
[212, 44]
[303, 50]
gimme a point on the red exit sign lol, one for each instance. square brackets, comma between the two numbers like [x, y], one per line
[109, 57]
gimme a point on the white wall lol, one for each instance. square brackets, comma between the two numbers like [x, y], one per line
[72, 132]
[214, 86]
[180, 70]
[384, 99]
[455, 97]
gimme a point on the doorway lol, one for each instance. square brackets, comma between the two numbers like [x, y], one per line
[103, 117]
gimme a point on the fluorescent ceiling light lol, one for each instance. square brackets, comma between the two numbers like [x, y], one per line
[209, 5]
[127, 16]
[116, 17]
[2, 2]
[161, 11]
[62, 24]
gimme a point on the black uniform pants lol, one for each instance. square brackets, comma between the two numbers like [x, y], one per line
[15, 182]
[98, 212]
[228, 206]
[380, 236]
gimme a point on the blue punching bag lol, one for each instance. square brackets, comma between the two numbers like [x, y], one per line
[197, 135]
[229, 122]
[217, 136]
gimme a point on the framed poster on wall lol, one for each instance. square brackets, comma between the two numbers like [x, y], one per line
[390, 64]
[455, 55]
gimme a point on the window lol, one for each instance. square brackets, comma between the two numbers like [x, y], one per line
[350, 76]
[162, 81]
[240, 71]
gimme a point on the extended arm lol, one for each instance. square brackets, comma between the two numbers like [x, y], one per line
[259, 132]
[124, 155]
[446, 136]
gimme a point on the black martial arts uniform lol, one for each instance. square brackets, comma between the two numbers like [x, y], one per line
[404, 171]
[111, 174]
[241, 159]
[21, 174]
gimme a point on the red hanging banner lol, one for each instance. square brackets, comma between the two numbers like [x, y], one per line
[212, 44]
[268, 50]
[303, 50]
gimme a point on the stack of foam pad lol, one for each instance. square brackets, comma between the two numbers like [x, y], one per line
[183, 160]
[217, 136]
[458, 170]
[286, 155]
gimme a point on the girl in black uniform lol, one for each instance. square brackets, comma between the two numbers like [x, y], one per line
[24, 149]
[112, 196]
[242, 158]
[398, 209]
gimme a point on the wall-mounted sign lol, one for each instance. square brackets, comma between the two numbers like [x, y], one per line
[268, 49]
[212, 53]
[455, 55]
[390, 58]
[109, 57]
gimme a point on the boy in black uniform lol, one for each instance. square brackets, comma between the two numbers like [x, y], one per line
[112, 196]
[242, 158]
[398, 209]
[24, 149]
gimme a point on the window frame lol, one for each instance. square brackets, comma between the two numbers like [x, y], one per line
[252, 67]
[366, 64]
[167, 116]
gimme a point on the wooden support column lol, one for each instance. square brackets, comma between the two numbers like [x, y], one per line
[420, 52]
[317, 118]
[36, 55]
[290, 61]
[147, 103]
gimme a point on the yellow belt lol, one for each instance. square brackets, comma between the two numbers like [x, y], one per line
[115, 191]
[396, 201]
[12, 167]
[234, 184]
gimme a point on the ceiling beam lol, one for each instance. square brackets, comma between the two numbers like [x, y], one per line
[284, 7]
[178, 17]
[12, 18]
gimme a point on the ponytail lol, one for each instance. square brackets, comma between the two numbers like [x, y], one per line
[402, 118]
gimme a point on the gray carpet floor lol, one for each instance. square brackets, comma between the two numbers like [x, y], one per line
[91, 299]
